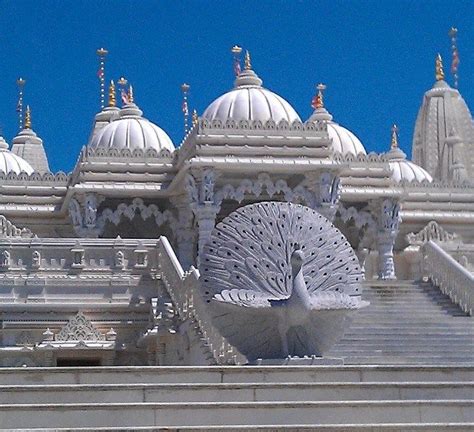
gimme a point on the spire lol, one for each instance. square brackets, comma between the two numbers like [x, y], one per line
[131, 100]
[453, 33]
[439, 72]
[112, 101]
[27, 118]
[394, 143]
[248, 63]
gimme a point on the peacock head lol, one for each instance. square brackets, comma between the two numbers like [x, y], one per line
[297, 258]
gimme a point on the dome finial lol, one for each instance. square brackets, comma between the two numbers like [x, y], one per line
[394, 143]
[318, 100]
[112, 101]
[248, 63]
[131, 100]
[27, 118]
[439, 72]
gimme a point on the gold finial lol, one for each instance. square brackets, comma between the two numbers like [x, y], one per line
[394, 143]
[248, 63]
[112, 101]
[130, 95]
[195, 118]
[439, 68]
[27, 118]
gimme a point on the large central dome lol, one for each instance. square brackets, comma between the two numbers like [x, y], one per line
[250, 101]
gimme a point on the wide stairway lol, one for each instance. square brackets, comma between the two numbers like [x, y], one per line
[239, 398]
[407, 323]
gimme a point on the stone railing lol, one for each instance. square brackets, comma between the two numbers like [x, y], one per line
[450, 276]
[183, 288]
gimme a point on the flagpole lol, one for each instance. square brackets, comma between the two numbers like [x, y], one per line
[453, 33]
[185, 89]
[19, 107]
[236, 50]
[102, 52]
[122, 83]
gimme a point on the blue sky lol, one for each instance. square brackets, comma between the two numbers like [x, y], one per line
[376, 57]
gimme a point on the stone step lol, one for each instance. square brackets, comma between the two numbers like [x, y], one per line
[366, 427]
[242, 392]
[235, 374]
[376, 357]
[234, 413]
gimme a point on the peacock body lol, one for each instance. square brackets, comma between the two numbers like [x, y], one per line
[280, 280]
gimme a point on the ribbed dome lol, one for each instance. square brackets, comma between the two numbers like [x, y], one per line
[405, 170]
[343, 140]
[10, 162]
[131, 130]
[250, 101]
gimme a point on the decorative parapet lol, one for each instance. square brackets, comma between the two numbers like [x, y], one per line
[450, 276]
[8, 230]
[360, 158]
[149, 153]
[36, 177]
[431, 232]
[183, 289]
[240, 126]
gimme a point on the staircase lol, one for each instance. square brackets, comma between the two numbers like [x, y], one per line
[235, 398]
[407, 323]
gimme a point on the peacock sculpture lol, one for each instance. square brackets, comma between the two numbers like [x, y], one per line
[280, 280]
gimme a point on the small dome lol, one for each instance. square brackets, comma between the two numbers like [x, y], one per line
[405, 170]
[250, 101]
[343, 140]
[131, 130]
[10, 162]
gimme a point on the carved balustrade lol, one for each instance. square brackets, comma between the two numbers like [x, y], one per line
[183, 289]
[450, 276]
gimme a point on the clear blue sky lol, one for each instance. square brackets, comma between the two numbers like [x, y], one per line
[376, 57]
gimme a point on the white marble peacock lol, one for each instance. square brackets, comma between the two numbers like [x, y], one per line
[280, 280]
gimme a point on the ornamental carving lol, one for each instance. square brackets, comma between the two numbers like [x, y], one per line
[8, 230]
[79, 328]
[432, 231]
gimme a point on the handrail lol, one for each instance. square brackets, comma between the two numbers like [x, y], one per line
[450, 276]
[183, 288]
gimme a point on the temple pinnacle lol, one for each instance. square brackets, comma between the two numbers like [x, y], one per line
[439, 72]
[248, 63]
[130, 95]
[112, 101]
[27, 118]
[394, 142]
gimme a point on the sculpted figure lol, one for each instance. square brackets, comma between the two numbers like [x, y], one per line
[208, 183]
[91, 210]
[280, 280]
[390, 215]
[5, 259]
[75, 212]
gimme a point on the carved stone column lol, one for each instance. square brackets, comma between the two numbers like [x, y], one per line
[326, 188]
[185, 232]
[389, 223]
[200, 187]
